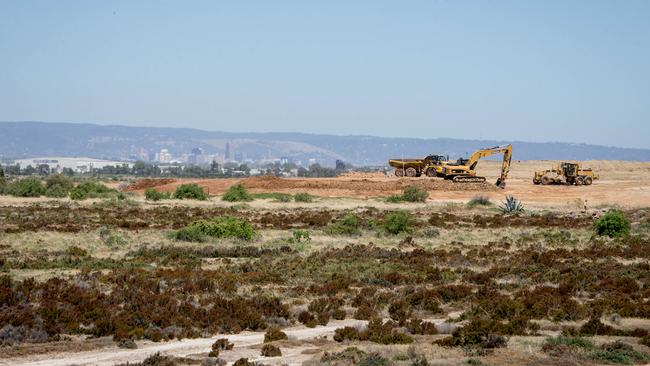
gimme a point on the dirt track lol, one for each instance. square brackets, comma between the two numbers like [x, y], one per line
[246, 345]
[622, 183]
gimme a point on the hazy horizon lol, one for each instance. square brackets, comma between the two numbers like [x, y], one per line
[576, 72]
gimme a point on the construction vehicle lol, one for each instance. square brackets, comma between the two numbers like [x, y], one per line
[429, 166]
[464, 170]
[566, 173]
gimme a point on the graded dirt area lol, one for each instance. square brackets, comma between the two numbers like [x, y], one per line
[625, 184]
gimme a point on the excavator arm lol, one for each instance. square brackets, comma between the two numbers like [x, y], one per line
[505, 166]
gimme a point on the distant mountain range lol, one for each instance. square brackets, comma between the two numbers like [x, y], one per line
[39, 139]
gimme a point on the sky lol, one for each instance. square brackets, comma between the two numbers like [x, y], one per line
[521, 70]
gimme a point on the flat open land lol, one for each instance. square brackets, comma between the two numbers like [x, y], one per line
[621, 183]
[347, 279]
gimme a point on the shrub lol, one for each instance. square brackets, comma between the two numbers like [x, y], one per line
[3, 184]
[396, 222]
[415, 194]
[377, 332]
[511, 206]
[190, 191]
[374, 359]
[58, 185]
[479, 201]
[222, 344]
[28, 187]
[151, 194]
[299, 236]
[619, 353]
[347, 225]
[91, 189]
[274, 334]
[613, 224]
[237, 193]
[218, 227]
[243, 362]
[395, 198]
[269, 350]
[303, 197]
[275, 196]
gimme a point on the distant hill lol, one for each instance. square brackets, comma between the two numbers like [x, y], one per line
[35, 139]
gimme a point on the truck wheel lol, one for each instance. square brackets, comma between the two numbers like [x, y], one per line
[588, 181]
[399, 172]
[579, 181]
[546, 180]
[411, 172]
[431, 173]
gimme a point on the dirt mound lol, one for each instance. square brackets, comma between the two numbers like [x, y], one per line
[143, 184]
[361, 175]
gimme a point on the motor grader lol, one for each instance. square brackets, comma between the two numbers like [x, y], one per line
[464, 170]
[566, 173]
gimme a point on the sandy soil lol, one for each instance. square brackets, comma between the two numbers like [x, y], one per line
[300, 346]
[625, 184]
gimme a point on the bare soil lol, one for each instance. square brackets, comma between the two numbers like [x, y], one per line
[626, 184]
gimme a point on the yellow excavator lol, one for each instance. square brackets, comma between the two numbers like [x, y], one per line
[464, 170]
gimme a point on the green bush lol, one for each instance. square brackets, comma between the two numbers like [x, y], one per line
[303, 197]
[58, 186]
[237, 193]
[269, 350]
[218, 227]
[613, 224]
[58, 180]
[347, 225]
[396, 222]
[151, 194]
[415, 194]
[190, 191]
[3, 184]
[28, 187]
[91, 189]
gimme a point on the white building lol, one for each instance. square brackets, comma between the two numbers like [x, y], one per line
[79, 165]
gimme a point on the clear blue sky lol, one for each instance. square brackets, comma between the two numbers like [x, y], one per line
[574, 71]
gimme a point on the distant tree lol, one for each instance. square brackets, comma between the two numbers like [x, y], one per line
[67, 172]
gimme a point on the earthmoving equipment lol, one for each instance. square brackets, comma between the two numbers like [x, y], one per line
[430, 166]
[566, 173]
[464, 170]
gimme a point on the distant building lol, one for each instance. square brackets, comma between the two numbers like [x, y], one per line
[312, 161]
[79, 165]
[196, 157]
[164, 156]
[227, 152]
[239, 156]
[340, 165]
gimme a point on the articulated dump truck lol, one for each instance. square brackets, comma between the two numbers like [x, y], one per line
[430, 166]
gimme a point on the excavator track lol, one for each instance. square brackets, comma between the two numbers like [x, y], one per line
[462, 179]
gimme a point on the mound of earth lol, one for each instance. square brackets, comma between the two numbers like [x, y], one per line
[148, 183]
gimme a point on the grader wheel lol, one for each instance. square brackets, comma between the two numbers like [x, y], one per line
[411, 172]
[431, 173]
[546, 180]
[579, 181]
[399, 172]
[588, 181]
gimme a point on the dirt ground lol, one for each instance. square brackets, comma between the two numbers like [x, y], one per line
[626, 184]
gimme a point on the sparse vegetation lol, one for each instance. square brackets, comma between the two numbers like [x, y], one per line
[479, 201]
[274, 334]
[410, 194]
[269, 350]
